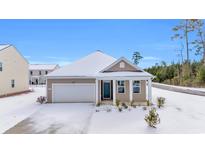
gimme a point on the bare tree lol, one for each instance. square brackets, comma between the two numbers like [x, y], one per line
[182, 32]
[199, 43]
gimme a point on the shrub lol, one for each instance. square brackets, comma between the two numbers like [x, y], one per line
[148, 103]
[160, 102]
[120, 108]
[117, 103]
[152, 118]
[124, 105]
[41, 99]
[144, 108]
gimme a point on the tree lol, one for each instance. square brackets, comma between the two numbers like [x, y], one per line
[199, 43]
[136, 57]
[201, 74]
[152, 118]
[182, 32]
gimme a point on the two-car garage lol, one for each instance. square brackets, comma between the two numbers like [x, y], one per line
[71, 90]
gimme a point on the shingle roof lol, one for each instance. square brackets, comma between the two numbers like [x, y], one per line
[91, 66]
[87, 66]
[42, 66]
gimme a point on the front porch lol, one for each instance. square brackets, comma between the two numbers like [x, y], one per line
[135, 90]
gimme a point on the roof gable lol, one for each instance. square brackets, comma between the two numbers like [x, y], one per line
[122, 65]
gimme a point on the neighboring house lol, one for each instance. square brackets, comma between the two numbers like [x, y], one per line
[99, 78]
[37, 72]
[13, 71]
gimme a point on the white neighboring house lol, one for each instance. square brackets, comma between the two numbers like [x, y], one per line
[14, 77]
[37, 72]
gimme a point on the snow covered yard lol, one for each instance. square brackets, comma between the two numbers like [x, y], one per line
[183, 113]
[14, 109]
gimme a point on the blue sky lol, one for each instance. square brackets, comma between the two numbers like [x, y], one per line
[64, 41]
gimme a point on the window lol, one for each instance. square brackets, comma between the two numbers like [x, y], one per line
[39, 72]
[46, 72]
[122, 65]
[136, 87]
[31, 72]
[12, 83]
[1, 67]
[121, 86]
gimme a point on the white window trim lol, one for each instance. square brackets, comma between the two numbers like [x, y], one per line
[121, 86]
[136, 86]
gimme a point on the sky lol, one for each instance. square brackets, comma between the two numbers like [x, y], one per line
[64, 41]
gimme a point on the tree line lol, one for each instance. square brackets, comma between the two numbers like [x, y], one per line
[190, 33]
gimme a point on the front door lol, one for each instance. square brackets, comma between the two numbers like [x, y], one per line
[106, 90]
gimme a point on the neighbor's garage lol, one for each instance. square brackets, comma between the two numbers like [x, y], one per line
[71, 90]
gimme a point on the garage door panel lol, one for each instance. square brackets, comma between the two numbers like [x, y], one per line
[73, 92]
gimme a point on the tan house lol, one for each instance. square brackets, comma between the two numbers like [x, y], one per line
[99, 78]
[38, 72]
[13, 71]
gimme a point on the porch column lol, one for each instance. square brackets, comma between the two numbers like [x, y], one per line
[150, 90]
[96, 91]
[114, 92]
[131, 90]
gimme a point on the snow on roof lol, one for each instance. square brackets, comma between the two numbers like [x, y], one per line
[91, 66]
[42, 66]
[125, 74]
[2, 46]
[87, 66]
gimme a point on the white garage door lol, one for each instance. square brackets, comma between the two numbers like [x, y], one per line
[73, 92]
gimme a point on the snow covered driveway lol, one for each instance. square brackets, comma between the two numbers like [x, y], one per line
[14, 109]
[57, 118]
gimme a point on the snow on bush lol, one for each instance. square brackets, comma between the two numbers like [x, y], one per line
[160, 102]
[41, 99]
[152, 118]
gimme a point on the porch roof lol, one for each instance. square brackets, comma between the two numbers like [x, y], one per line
[124, 75]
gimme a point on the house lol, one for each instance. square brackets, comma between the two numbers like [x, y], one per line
[37, 72]
[14, 77]
[99, 78]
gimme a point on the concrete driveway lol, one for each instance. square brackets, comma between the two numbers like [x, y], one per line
[56, 118]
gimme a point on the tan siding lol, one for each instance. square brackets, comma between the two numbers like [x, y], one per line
[116, 67]
[51, 81]
[123, 97]
[141, 97]
[15, 67]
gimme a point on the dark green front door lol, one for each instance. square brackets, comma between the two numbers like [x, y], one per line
[106, 90]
